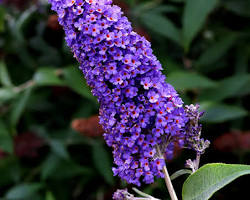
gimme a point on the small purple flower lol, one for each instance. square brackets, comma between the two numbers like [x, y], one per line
[153, 96]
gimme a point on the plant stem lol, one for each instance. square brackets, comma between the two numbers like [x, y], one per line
[167, 177]
[198, 157]
[169, 184]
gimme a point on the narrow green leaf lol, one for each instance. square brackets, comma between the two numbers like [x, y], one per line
[217, 113]
[49, 196]
[161, 25]
[4, 75]
[10, 171]
[7, 94]
[75, 80]
[195, 14]
[2, 18]
[23, 191]
[47, 77]
[68, 169]
[202, 184]
[180, 173]
[19, 107]
[182, 80]
[239, 7]
[6, 143]
[59, 148]
[49, 166]
[215, 52]
[102, 162]
[229, 87]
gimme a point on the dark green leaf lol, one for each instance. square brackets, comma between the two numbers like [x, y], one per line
[59, 148]
[49, 166]
[245, 90]
[49, 196]
[23, 191]
[240, 7]
[54, 167]
[47, 77]
[102, 162]
[19, 107]
[2, 18]
[242, 57]
[69, 169]
[215, 52]
[217, 113]
[195, 14]
[75, 80]
[153, 7]
[10, 171]
[6, 143]
[202, 184]
[4, 76]
[186, 80]
[24, 18]
[229, 87]
[164, 9]
[161, 25]
[7, 94]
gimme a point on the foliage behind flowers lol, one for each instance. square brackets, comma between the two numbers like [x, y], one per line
[42, 92]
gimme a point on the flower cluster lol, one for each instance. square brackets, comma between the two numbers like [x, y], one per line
[193, 130]
[138, 109]
[122, 195]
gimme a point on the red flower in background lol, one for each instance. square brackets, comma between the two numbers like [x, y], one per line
[20, 4]
[27, 145]
[234, 141]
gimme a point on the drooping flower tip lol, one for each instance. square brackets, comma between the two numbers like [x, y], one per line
[121, 195]
[193, 129]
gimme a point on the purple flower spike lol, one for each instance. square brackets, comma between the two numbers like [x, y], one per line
[138, 109]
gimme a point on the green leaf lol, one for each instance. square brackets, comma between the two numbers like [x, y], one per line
[229, 87]
[239, 7]
[4, 75]
[22, 20]
[195, 14]
[215, 52]
[180, 173]
[47, 77]
[10, 171]
[54, 167]
[75, 80]
[49, 166]
[59, 148]
[6, 143]
[217, 113]
[49, 196]
[161, 25]
[2, 18]
[102, 162]
[19, 107]
[7, 94]
[23, 191]
[68, 169]
[202, 184]
[185, 80]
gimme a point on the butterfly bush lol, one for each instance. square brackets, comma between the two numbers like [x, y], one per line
[139, 111]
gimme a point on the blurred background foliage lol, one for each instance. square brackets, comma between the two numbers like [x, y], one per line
[51, 146]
